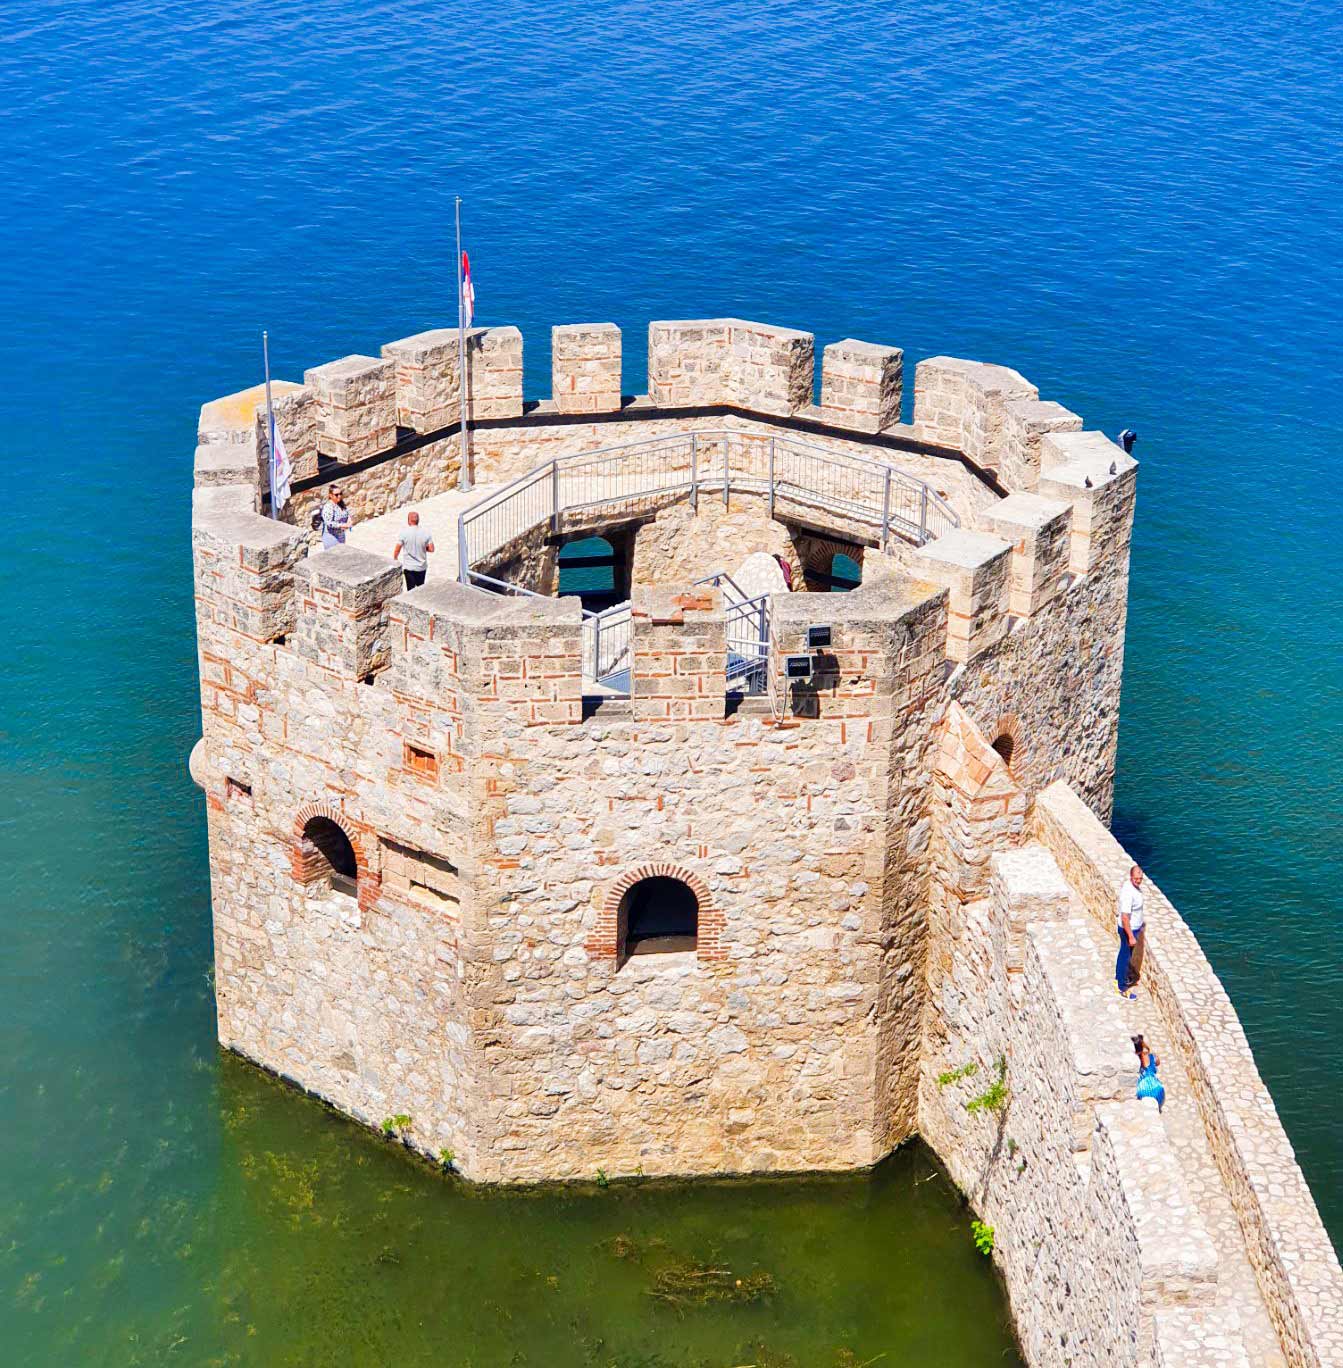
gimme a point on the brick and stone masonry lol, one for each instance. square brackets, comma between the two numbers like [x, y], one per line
[425, 833]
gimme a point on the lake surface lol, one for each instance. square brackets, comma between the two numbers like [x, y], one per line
[1140, 208]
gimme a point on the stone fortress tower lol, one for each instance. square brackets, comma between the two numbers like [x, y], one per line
[698, 872]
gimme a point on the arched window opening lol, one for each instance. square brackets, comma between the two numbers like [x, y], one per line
[658, 916]
[328, 854]
[845, 573]
[1006, 746]
[590, 568]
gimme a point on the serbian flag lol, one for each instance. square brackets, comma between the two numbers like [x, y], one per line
[468, 292]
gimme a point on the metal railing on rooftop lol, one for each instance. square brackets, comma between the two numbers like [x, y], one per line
[838, 490]
[640, 477]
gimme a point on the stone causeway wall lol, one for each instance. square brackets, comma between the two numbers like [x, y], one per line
[902, 878]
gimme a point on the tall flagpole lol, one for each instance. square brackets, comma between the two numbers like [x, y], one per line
[270, 422]
[464, 473]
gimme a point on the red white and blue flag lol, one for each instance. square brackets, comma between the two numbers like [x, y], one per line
[468, 292]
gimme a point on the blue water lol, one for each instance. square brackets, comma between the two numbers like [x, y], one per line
[1138, 206]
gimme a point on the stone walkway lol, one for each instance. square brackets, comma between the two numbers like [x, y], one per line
[1238, 1290]
[438, 514]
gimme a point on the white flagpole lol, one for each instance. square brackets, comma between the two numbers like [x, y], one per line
[464, 473]
[270, 422]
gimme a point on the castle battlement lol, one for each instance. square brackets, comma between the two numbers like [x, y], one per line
[728, 861]
[363, 407]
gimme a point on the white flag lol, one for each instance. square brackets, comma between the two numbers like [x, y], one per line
[280, 470]
[468, 292]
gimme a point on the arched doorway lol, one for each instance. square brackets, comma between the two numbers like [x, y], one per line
[658, 915]
[328, 853]
[845, 573]
[590, 568]
[1006, 746]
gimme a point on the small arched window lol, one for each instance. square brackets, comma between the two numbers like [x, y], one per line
[329, 854]
[1006, 746]
[845, 573]
[657, 916]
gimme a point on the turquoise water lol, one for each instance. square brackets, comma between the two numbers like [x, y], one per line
[1139, 207]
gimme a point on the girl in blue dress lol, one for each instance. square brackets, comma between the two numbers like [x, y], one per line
[1149, 1085]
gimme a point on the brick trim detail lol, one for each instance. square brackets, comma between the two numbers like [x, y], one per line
[308, 863]
[604, 942]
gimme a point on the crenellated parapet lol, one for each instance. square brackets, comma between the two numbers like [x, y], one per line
[991, 413]
[386, 424]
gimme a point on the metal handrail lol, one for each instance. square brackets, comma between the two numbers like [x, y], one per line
[858, 488]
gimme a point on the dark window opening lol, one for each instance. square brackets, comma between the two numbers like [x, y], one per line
[1005, 746]
[235, 788]
[591, 568]
[658, 916]
[329, 853]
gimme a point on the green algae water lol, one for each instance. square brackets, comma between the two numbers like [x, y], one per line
[314, 1242]
[1132, 205]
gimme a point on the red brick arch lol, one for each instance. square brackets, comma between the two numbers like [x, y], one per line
[367, 877]
[817, 554]
[604, 942]
[1009, 741]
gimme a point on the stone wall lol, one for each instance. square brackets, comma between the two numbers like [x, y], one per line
[682, 545]
[1096, 1233]
[448, 722]
[1294, 1260]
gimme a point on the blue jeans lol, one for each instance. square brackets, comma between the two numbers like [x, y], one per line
[1122, 962]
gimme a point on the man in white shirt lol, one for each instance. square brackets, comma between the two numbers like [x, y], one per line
[413, 551]
[1132, 926]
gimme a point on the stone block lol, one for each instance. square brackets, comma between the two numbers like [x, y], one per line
[687, 362]
[861, 384]
[712, 361]
[220, 464]
[1133, 1158]
[1198, 1337]
[585, 367]
[678, 647]
[427, 370]
[973, 567]
[355, 406]
[770, 370]
[295, 408]
[1094, 475]
[494, 373]
[245, 572]
[1025, 421]
[343, 619]
[1039, 530]
[961, 404]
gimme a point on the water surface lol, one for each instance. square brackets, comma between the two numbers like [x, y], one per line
[1138, 207]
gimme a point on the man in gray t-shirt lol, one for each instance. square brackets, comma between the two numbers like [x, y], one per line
[413, 551]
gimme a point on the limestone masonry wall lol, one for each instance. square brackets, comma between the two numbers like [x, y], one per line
[426, 825]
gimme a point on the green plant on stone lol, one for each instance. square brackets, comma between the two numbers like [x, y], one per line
[602, 1180]
[446, 1159]
[955, 1075]
[396, 1125]
[994, 1097]
[982, 1235]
